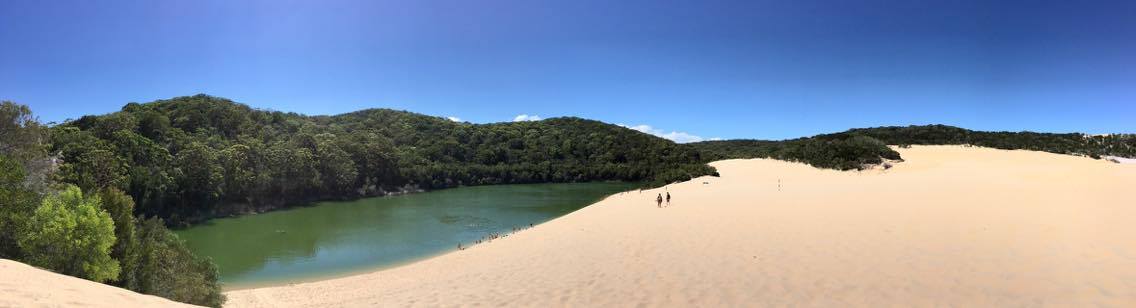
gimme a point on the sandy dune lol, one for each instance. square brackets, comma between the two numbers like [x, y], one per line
[22, 285]
[950, 226]
[1120, 160]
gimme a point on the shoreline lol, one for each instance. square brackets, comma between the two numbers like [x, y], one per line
[285, 282]
[825, 238]
[245, 282]
[316, 201]
[380, 269]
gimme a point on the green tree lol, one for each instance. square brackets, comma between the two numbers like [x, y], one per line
[89, 162]
[120, 207]
[71, 235]
[237, 163]
[154, 125]
[336, 169]
[25, 141]
[200, 175]
[24, 172]
[16, 207]
[168, 269]
[21, 136]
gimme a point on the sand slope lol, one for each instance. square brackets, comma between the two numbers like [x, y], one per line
[22, 285]
[951, 226]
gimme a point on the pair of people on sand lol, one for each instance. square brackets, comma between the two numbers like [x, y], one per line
[659, 199]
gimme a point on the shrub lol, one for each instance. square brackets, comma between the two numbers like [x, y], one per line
[71, 235]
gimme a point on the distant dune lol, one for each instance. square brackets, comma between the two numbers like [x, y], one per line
[950, 226]
[1120, 160]
[22, 285]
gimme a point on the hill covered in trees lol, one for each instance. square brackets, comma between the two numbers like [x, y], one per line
[191, 158]
[860, 147]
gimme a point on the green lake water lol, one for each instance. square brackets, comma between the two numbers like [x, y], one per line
[330, 239]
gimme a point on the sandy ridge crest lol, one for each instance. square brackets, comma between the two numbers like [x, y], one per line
[22, 285]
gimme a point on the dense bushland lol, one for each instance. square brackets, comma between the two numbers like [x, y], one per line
[191, 158]
[858, 148]
[1123, 145]
[833, 151]
[92, 233]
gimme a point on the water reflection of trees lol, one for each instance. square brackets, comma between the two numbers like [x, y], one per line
[404, 226]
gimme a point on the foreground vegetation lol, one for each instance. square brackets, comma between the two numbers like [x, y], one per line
[863, 147]
[92, 234]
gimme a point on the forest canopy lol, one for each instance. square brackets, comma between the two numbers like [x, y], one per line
[191, 158]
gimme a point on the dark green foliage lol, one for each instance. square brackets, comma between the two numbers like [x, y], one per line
[191, 158]
[24, 172]
[198, 175]
[91, 163]
[121, 210]
[16, 206]
[165, 267]
[834, 151]
[154, 261]
[95, 237]
[24, 140]
[1123, 145]
[855, 148]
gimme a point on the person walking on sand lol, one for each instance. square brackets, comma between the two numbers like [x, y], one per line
[659, 200]
[668, 198]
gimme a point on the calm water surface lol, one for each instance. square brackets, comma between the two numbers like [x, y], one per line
[338, 238]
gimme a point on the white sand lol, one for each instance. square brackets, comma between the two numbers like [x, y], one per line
[950, 226]
[22, 285]
[1120, 160]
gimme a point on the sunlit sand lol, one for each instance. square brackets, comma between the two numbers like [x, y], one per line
[950, 226]
[22, 285]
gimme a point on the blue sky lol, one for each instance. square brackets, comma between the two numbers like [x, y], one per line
[705, 69]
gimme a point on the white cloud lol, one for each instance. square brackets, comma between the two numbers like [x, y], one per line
[525, 117]
[680, 137]
[715, 139]
[455, 119]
